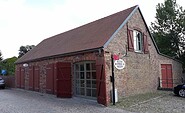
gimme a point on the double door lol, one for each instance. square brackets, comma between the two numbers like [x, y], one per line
[167, 77]
[85, 79]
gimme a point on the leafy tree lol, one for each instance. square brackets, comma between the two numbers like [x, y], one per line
[1, 58]
[24, 49]
[169, 29]
[8, 65]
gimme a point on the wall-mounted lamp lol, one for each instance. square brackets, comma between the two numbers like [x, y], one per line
[25, 65]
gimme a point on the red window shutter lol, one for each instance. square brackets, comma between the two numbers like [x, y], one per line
[145, 44]
[130, 40]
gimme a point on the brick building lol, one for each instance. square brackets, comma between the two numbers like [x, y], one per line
[78, 62]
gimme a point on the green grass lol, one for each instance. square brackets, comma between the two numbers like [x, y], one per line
[136, 99]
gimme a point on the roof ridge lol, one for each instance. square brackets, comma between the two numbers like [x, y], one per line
[85, 37]
[91, 22]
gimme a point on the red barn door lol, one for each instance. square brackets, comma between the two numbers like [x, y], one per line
[50, 78]
[64, 83]
[36, 78]
[22, 78]
[100, 81]
[55, 79]
[18, 77]
[167, 77]
[31, 77]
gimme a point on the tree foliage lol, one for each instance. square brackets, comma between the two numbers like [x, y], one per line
[24, 49]
[1, 58]
[169, 29]
[8, 65]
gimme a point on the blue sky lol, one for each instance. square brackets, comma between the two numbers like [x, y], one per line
[28, 22]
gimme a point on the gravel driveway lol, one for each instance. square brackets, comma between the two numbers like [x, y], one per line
[165, 102]
[22, 101]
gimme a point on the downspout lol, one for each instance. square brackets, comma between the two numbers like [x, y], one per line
[113, 80]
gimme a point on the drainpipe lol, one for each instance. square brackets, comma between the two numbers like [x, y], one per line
[112, 80]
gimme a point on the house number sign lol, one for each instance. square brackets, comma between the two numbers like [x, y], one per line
[119, 64]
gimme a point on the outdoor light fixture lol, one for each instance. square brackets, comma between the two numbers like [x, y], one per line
[25, 65]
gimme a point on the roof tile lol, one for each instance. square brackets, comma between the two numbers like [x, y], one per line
[90, 36]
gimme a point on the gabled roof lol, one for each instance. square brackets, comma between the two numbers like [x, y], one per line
[94, 35]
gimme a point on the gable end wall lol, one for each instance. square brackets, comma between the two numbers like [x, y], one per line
[142, 70]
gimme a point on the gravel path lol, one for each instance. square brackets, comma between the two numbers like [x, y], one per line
[164, 104]
[22, 101]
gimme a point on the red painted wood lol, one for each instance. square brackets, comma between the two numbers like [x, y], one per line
[31, 78]
[18, 77]
[167, 77]
[55, 78]
[130, 40]
[64, 83]
[100, 81]
[116, 57]
[22, 78]
[50, 78]
[36, 78]
[145, 44]
[164, 77]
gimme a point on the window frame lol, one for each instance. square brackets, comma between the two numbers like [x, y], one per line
[138, 41]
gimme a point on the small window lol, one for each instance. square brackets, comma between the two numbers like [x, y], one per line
[138, 41]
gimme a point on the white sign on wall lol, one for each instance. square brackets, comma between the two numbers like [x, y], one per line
[119, 64]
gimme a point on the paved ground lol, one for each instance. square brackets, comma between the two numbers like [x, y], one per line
[21, 101]
[168, 103]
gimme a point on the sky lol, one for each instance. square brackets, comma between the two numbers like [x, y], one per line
[28, 22]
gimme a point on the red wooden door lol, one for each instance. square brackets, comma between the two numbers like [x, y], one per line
[100, 81]
[50, 78]
[64, 83]
[55, 78]
[22, 78]
[18, 77]
[36, 78]
[31, 78]
[167, 77]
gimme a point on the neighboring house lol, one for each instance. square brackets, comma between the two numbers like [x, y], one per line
[78, 62]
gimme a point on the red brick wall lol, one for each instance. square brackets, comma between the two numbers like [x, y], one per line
[42, 67]
[140, 74]
[142, 70]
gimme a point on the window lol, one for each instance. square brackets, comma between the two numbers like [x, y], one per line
[85, 79]
[138, 41]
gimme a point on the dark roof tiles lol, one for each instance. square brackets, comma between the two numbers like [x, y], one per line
[90, 36]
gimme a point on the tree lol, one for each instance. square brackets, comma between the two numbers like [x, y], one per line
[24, 49]
[8, 65]
[1, 58]
[169, 29]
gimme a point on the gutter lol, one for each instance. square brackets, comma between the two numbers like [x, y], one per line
[62, 55]
[153, 40]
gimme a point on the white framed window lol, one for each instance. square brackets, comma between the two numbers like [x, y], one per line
[138, 41]
[85, 79]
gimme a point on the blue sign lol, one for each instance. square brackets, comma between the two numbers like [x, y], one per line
[3, 72]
